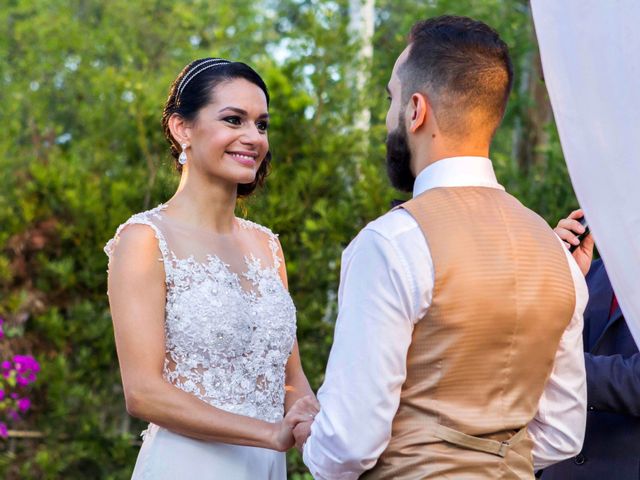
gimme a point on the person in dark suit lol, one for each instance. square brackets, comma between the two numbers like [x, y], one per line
[611, 449]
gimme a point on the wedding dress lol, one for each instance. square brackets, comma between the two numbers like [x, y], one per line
[229, 330]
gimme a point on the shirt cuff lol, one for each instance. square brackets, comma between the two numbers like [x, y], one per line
[318, 474]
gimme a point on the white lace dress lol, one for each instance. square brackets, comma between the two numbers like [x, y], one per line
[230, 328]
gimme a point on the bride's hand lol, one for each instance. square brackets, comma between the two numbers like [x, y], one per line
[282, 436]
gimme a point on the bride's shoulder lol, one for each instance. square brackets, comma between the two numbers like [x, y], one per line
[138, 233]
[145, 216]
[251, 225]
[271, 239]
[135, 237]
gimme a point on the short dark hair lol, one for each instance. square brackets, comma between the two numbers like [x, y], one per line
[464, 67]
[197, 93]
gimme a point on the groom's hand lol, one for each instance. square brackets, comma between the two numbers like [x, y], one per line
[306, 407]
[301, 432]
[303, 411]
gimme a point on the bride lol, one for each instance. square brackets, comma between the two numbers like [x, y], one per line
[204, 325]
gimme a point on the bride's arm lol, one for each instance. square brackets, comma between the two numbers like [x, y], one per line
[297, 385]
[137, 298]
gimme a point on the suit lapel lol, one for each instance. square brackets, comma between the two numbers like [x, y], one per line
[617, 315]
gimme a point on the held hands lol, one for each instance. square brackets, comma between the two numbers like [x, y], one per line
[296, 425]
[300, 416]
[567, 229]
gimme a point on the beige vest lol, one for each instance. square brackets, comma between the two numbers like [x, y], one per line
[480, 358]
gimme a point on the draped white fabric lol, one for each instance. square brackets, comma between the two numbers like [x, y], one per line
[591, 60]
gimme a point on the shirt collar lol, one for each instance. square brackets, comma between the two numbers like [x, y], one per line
[457, 172]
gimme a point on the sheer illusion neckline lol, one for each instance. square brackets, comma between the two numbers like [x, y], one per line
[214, 265]
[183, 224]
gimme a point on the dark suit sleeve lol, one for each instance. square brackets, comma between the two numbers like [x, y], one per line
[613, 383]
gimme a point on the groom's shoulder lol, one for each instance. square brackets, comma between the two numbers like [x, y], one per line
[395, 231]
[392, 225]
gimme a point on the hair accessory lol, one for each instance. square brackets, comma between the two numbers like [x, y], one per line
[211, 62]
[182, 159]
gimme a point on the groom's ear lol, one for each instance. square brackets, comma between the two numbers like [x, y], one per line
[419, 111]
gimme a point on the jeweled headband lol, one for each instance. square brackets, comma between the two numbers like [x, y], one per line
[204, 65]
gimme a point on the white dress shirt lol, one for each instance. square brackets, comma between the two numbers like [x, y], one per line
[386, 284]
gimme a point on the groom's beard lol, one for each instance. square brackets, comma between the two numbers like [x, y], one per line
[399, 160]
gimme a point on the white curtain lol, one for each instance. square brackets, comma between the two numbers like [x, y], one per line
[591, 60]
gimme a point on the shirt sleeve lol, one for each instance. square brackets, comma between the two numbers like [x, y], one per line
[367, 363]
[558, 428]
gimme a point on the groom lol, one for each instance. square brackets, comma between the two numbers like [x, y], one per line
[458, 346]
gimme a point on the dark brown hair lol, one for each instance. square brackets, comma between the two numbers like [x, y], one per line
[197, 92]
[463, 66]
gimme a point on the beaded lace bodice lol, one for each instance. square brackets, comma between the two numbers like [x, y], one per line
[225, 343]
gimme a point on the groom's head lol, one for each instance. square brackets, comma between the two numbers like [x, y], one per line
[448, 91]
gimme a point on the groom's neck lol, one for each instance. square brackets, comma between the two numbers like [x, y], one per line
[429, 152]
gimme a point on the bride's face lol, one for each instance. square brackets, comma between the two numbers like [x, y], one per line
[228, 138]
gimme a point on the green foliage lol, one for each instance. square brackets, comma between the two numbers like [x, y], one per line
[83, 84]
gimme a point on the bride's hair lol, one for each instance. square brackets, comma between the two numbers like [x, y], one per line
[192, 90]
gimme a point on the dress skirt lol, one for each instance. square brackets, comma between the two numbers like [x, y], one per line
[165, 455]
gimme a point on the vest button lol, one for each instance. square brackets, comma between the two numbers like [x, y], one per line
[591, 408]
[579, 460]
